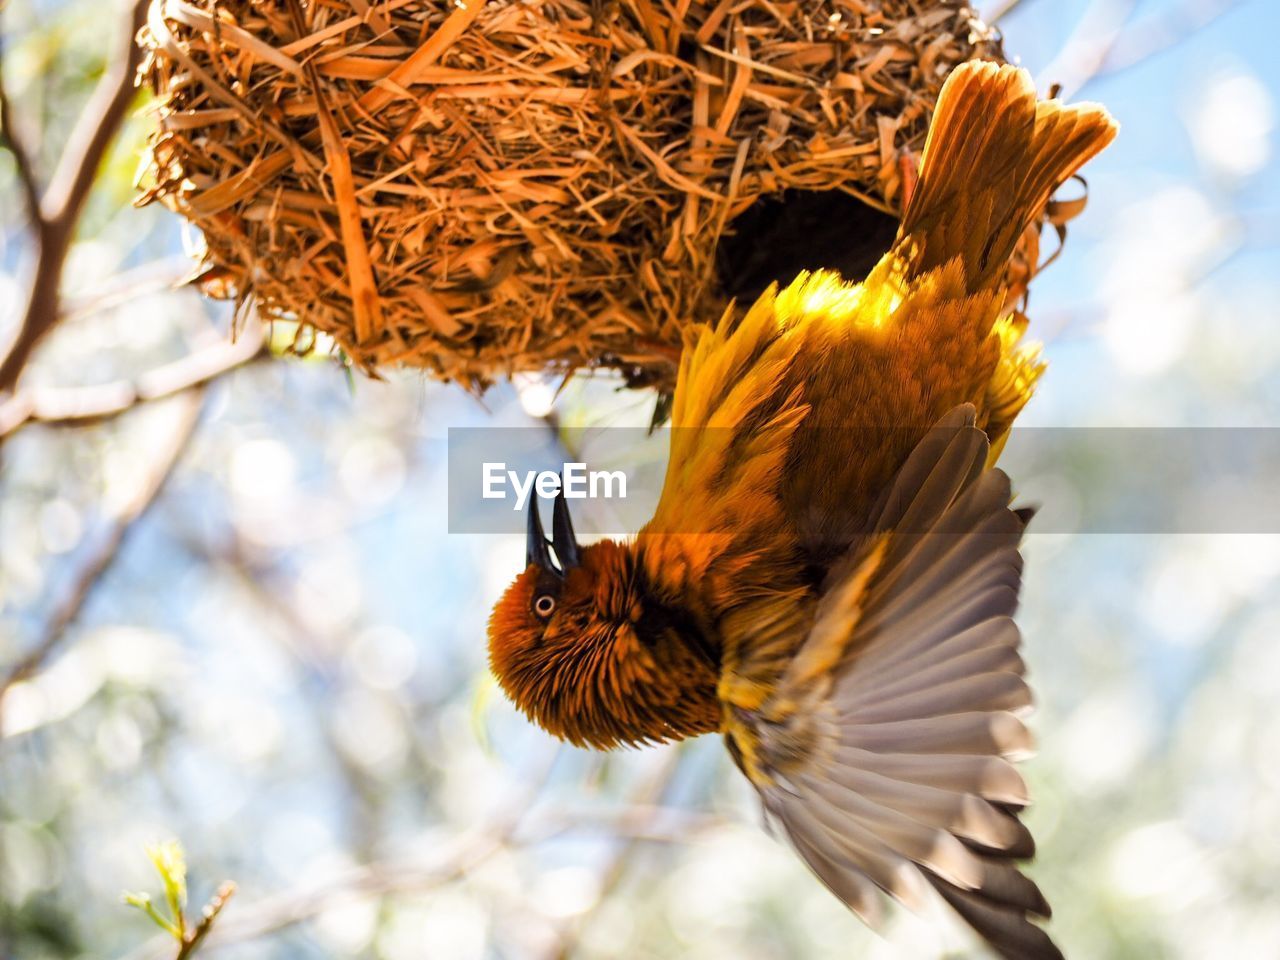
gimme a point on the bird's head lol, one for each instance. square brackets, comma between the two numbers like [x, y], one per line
[585, 649]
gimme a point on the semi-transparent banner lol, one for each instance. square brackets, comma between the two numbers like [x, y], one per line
[1082, 480]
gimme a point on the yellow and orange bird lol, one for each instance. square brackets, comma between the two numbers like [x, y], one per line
[832, 568]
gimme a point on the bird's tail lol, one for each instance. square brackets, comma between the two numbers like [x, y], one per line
[993, 156]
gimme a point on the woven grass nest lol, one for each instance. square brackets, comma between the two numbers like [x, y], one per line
[481, 188]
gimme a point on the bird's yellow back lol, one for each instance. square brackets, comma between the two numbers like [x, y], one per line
[881, 361]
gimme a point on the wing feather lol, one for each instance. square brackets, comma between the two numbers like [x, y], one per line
[926, 649]
[962, 814]
[852, 886]
[924, 843]
[992, 777]
[995, 660]
[884, 747]
[854, 852]
[981, 732]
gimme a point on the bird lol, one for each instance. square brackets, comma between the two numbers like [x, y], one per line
[831, 571]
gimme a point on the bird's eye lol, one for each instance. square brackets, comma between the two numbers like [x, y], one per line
[544, 605]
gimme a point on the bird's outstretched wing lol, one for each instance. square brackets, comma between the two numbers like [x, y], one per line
[883, 748]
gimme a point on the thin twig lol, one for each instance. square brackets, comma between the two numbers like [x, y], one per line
[1107, 40]
[96, 127]
[1091, 42]
[1000, 11]
[13, 141]
[211, 911]
[380, 878]
[124, 521]
[619, 864]
[1156, 33]
[156, 276]
[511, 828]
[56, 214]
[76, 406]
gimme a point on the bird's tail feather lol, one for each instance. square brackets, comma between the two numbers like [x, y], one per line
[993, 156]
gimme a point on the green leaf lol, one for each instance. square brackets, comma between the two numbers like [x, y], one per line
[348, 370]
[143, 902]
[171, 863]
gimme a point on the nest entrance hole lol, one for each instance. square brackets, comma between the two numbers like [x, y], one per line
[780, 235]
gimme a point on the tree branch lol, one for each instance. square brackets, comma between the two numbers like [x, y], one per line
[513, 828]
[155, 276]
[1158, 32]
[14, 143]
[96, 128]
[1000, 11]
[56, 214]
[74, 406]
[126, 516]
[211, 911]
[647, 797]
[1107, 39]
[1095, 34]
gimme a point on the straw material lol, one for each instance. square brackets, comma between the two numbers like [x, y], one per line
[478, 188]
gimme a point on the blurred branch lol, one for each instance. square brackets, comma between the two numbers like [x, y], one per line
[71, 406]
[1159, 32]
[511, 827]
[1106, 39]
[155, 276]
[95, 128]
[306, 650]
[373, 879]
[1000, 11]
[1090, 43]
[1261, 228]
[55, 215]
[12, 141]
[214, 907]
[124, 520]
[620, 862]
[1063, 324]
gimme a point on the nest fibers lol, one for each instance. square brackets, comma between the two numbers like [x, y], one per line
[479, 188]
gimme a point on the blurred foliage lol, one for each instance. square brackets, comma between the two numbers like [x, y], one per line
[284, 661]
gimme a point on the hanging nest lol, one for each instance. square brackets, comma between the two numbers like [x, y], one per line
[477, 188]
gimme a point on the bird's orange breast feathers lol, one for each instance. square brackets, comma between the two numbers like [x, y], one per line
[583, 643]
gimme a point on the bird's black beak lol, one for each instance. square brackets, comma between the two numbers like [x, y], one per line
[538, 548]
[536, 545]
[562, 539]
